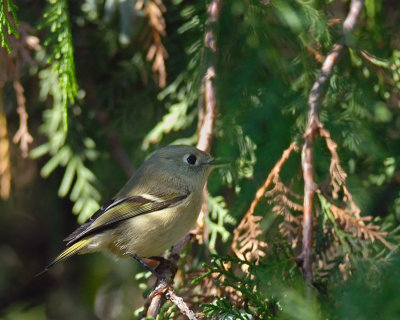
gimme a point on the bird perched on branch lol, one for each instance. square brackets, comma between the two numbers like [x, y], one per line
[157, 206]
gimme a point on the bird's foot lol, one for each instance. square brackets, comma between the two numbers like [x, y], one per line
[160, 267]
[161, 288]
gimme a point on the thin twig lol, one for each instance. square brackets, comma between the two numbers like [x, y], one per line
[182, 306]
[168, 272]
[154, 305]
[312, 130]
[22, 136]
[10, 70]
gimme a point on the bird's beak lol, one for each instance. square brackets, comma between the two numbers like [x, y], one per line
[217, 163]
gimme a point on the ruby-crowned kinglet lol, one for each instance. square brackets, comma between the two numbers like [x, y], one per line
[156, 207]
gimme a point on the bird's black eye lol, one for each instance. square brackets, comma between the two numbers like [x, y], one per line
[191, 159]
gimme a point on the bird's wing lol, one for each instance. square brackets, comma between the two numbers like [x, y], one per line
[118, 210]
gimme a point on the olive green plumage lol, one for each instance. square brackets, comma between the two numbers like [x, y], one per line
[157, 206]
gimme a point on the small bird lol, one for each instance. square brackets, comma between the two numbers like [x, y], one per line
[156, 208]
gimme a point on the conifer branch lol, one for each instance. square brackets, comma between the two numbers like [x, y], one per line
[61, 59]
[290, 227]
[349, 214]
[313, 127]
[7, 8]
[357, 226]
[246, 233]
[157, 53]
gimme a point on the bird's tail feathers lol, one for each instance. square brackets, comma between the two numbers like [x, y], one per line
[67, 253]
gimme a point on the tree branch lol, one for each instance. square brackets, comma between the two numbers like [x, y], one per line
[206, 127]
[207, 116]
[210, 46]
[312, 130]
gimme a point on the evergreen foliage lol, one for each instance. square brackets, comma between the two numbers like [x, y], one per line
[7, 7]
[61, 56]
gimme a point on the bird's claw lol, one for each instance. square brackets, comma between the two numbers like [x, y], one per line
[161, 288]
